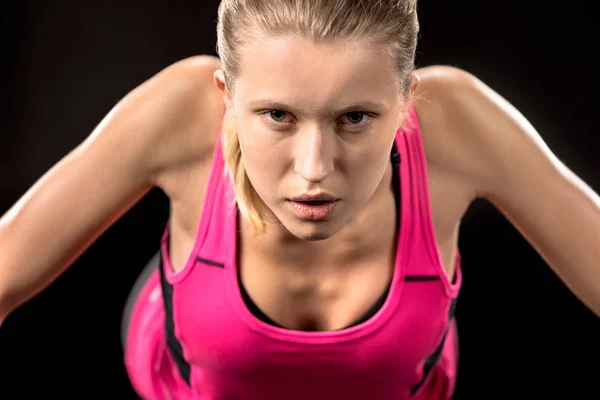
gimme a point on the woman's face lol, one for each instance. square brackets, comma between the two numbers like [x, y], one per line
[315, 122]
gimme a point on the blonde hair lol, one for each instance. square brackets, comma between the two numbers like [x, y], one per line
[390, 22]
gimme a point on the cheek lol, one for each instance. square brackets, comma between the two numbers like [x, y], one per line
[369, 170]
[255, 140]
[366, 171]
[262, 168]
[263, 165]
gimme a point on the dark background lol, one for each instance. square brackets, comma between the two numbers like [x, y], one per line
[522, 333]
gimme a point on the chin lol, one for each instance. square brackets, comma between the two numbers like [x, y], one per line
[314, 236]
[313, 231]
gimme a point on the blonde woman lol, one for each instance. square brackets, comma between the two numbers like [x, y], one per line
[317, 182]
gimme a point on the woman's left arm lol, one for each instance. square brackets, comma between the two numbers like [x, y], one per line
[507, 163]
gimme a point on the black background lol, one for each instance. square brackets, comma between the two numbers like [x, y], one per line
[522, 333]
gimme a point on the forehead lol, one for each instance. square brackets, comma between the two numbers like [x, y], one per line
[312, 74]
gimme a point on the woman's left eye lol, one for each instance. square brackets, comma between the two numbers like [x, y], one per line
[355, 117]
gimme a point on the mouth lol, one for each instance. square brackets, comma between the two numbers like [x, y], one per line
[313, 210]
[321, 197]
[312, 202]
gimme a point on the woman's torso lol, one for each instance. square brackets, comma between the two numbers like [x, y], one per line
[328, 295]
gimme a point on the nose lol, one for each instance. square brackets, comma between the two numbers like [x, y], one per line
[315, 153]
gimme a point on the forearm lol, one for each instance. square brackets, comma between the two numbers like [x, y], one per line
[24, 272]
[30, 263]
[562, 223]
[58, 218]
[575, 256]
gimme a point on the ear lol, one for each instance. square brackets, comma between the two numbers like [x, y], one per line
[219, 79]
[414, 82]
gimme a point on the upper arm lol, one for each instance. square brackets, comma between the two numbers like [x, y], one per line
[486, 141]
[493, 147]
[77, 199]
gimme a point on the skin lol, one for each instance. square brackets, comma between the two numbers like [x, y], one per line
[327, 269]
[311, 147]
[306, 275]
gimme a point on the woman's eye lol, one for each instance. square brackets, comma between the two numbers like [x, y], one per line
[276, 115]
[351, 118]
[355, 118]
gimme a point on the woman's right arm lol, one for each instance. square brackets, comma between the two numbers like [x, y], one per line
[152, 129]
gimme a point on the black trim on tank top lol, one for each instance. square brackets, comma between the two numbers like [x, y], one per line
[434, 358]
[209, 262]
[421, 278]
[172, 342]
[258, 313]
[395, 157]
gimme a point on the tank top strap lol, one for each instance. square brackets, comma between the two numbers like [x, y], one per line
[421, 251]
[209, 246]
[219, 203]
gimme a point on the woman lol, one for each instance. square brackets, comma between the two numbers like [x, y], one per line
[317, 182]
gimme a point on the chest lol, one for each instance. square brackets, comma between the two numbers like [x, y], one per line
[233, 352]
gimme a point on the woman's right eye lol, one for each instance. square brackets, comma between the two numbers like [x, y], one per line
[277, 116]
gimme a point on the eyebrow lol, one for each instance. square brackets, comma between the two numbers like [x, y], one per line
[358, 106]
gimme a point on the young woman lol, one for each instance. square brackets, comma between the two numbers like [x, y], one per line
[317, 182]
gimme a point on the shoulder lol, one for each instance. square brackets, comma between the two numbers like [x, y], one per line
[449, 97]
[455, 96]
[190, 74]
[186, 109]
[465, 123]
[185, 91]
[189, 81]
[196, 98]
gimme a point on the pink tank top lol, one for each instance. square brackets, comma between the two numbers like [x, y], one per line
[218, 349]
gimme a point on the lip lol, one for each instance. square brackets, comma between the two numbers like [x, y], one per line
[314, 197]
[313, 212]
